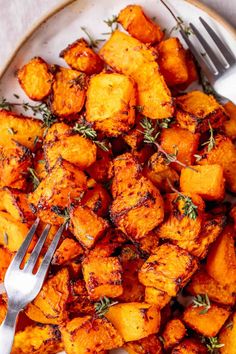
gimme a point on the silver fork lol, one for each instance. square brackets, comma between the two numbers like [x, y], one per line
[22, 285]
[222, 74]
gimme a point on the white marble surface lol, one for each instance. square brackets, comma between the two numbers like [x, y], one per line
[18, 16]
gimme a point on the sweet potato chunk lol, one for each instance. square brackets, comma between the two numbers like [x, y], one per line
[221, 260]
[182, 142]
[111, 99]
[102, 276]
[79, 301]
[68, 92]
[173, 333]
[80, 56]
[97, 199]
[68, 250]
[147, 345]
[228, 337]
[155, 296]
[196, 110]
[23, 130]
[190, 346]
[88, 335]
[5, 257]
[139, 26]
[207, 181]
[50, 304]
[208, 323]
[138, 210]
[134, 320]
[57, 191]
[36, 79]
[86, 226]
[99, 170]
[203, 283]
[37, 339]
[230, 123]
[168, 269]
[129, 56]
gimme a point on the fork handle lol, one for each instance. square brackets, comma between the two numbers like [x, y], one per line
[7, 331]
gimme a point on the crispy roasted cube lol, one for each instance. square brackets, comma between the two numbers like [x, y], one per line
[110, 105]
[14, 164]
[97, 199]
[87, 226]
[230, 123]
[138, 210]
[129, 56]
[73, 148]
[196, 110]
[134, 320]
[203, 283]
[182, 142]
[21, 129]
[38, 339]
[224, 154]
[228, 337]
[67, 251]
[168, 269]
[139, 26]
[99, 170]
[172, 61]
[192, 70]
[150, 345]
[36, 79]
[68, 92]
[56, 132]
[221, 260]
[190, 346]
[88, 334]
[155, 296]
[208, 323]
[173, 333]
[6, 257]
[102, 276]
[63, 184]
[49, 306]
[80, 56]
[206, 180]
[79, 301]
[149, 243]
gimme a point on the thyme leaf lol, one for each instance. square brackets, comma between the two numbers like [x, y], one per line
[202, 301]
[212, 344]
[112, 24]
[64, 213]
[93, 42]
[11, 131]
[211, 143]
[88, 132]
[102, 306]
[34, 178]
[79, 81]
[4, 104]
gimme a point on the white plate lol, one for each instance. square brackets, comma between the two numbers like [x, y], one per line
[65, 26]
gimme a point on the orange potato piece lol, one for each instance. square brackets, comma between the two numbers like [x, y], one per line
[79, 301]
[208, 324]
[97, 199]
[168, 269]
[173, 333]
[207, 181]
[196, 110]
[102, 276]
[190, 346]
[134, 320]
[192, 70]
[100, 168]
[139, 26]
[80, 56]
[147, 345]
[36, 79]
[230, 124]
[68, 250]
[6, 257]
[228, 337]
[91, 335]
[68, 92]
[129, 56]
[157, 297]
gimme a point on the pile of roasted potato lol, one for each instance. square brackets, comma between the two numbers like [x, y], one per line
[138, 169]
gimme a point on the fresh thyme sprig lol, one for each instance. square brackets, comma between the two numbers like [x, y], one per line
[211, 143]
[34, 178]
[212, 344]
[79, 81]
[102, 306]
[165, 123]
[88, 132]
[202, 301]
[4, 104]
[112, 24]
[93, 42]
[64, 213]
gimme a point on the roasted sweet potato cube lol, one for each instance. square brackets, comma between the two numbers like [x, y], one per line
[24, 130]
[110, 105]
[99, 170]
[203, 283]
[87, 226]
[196, 110]
[221, 260]
[208, 323]
[168, 269]
[207, 181]
[79, 301]
[138, 210]
[190, 346]
[63, 184]
[14, 164]
[37, 339]
[67, 251]
[102, 276]
[129, 56]
[56, 132]
[150, 345]
[36, 79]
[192, 70]
[97, 199]
[49, 306]
[80, 56]
[134, 320]
[228, 337]
[182, 142]
[87, 334]
[173, 333]
[155, 296]
[139, 26]
[149, 243]
[113, 239]
[6, 257]
[68, 92]
[230, 123]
